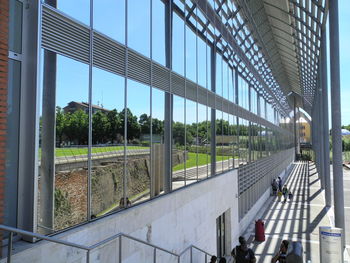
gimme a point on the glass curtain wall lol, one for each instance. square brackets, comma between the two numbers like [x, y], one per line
[101, 138]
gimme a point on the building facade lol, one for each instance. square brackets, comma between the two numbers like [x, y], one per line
[195, 131]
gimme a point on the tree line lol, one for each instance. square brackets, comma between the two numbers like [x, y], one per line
[108, 127]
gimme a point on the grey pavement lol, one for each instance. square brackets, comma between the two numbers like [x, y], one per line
[295, 220]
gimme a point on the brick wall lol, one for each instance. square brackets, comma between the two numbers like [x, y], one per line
[4, 14]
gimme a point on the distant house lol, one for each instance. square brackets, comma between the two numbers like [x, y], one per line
[73, 106]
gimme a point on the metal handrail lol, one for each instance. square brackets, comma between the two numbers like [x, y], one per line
[12, 230]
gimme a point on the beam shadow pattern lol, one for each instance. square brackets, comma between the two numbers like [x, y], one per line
[297, 219]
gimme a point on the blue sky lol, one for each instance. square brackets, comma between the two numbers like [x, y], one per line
[108, 89]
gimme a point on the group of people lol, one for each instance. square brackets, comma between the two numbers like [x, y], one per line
[243, 254]
[279, 191]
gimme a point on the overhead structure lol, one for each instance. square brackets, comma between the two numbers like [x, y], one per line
[274, 44]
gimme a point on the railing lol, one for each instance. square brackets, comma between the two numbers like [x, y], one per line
[89, 250]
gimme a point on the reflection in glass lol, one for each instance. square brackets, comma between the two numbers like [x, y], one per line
[219, 142]
[109, 18]
[191, 142]
[178, 44]
[139, 26]
[107, 155]
[179, 155]
[203, 148]
[158, 31]
[138, 142]
[191, 54]
[77, 9]
[157, 175]
[63, 160]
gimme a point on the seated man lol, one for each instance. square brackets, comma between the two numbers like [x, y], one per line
[243, 254]
[282, 253]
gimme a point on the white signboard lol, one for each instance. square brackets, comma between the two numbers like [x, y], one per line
[330, 245]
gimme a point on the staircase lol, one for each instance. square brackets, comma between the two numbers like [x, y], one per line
[119, 248]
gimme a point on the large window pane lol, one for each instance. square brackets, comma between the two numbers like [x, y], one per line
[158, 105]
[202, 63]
[77, 9]
[139, 26]
[63, 144]
[203, 142]
[226, 140]
[138, 142]
[178, 44]
[191, 141]
[158, 31]
[109, 18]
[107, 142]
[219, 142]
[191, 55]
[178, 132]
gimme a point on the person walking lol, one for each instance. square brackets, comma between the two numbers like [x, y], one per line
[243, 254]
[279, 194]
[285, 193]
[279, 183]
[281, 255]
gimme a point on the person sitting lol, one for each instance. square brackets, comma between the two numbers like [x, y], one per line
[213, 259]
[243, 254]
[122, 202]
[281, 256]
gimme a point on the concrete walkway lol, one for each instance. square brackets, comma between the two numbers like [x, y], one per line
[295, 220]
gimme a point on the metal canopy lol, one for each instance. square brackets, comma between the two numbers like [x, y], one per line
[275, 44]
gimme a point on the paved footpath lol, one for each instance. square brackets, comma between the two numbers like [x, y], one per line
[296, 220]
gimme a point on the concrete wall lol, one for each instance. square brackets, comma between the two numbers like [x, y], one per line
[175, 221]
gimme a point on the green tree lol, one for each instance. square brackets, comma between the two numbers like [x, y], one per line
[60, 125]
[100, 125]
[132, 124]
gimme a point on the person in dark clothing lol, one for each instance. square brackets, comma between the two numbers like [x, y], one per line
[285, 192]
[279, 183]
[281, 256]
[222, 260]
[243, 254]
[213, 259]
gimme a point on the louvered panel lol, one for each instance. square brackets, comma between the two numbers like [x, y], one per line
[191, 90]
[139, 68]
[64, 36]
[108, 54]
[178, 85]
[211, 100]
[202, 96]
[218, 102]
[160, 77]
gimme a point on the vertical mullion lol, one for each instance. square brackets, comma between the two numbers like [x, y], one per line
[185, 100]
[125, 103]
[89, 192]
[152, 181]
[197, 93]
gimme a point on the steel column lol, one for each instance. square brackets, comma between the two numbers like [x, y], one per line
[295, 127]
[336, 116]
[325, 128]
[168, 103]
[213, 113]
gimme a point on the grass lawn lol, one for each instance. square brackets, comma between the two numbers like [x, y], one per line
[202, 160]
[74, 151]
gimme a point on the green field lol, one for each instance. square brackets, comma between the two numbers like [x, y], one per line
[202, 160]
[74, 151]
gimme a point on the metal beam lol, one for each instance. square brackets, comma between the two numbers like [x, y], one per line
[216, 21]
[325, 128]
